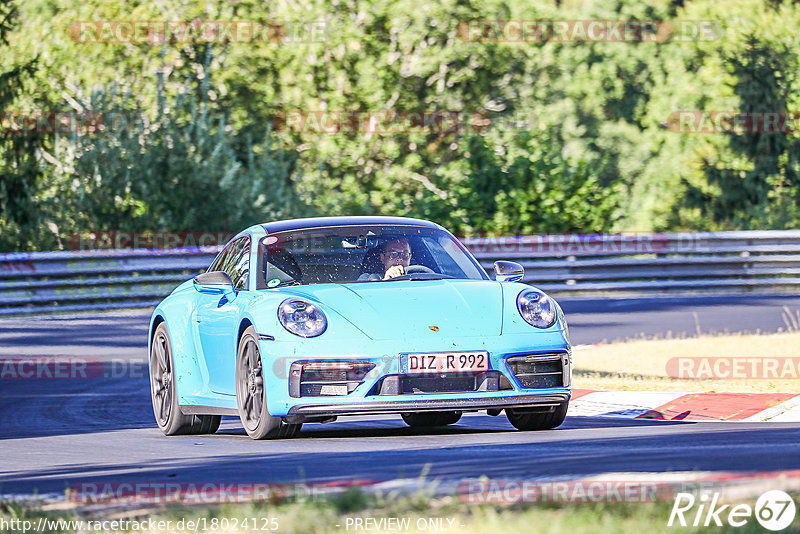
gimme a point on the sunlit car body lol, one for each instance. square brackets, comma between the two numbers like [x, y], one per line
[301, 327]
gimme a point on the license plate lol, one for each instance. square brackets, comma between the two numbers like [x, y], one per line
[333, 389]
[444, 362]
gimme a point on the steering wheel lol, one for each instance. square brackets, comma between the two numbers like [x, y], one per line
[411, 269]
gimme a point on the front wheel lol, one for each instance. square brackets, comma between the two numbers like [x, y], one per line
[522, 420]
[430, 419]
[168, 414]
[251, 393]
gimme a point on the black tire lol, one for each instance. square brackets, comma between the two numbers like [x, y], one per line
[251, 394]
[430, 419]
[168, 414]
[538, 421]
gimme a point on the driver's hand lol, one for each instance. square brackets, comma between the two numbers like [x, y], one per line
[394, 271]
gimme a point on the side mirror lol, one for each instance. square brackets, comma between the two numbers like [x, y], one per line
[508, 271]
[215, 283]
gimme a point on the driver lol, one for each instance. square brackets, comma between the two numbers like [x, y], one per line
[395, 256]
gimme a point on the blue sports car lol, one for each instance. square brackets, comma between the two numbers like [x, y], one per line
[305, 320]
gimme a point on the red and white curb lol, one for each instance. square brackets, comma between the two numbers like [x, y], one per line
[679, 406]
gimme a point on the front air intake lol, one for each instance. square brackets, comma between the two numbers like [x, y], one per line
[535, 371]
[329, 378]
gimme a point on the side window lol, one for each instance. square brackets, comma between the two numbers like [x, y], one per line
[222, 258]
[235, 261]
[231, 258]
[239, 269]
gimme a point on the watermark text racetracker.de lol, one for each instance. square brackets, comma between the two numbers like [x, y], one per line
[733, 122]
[384, 121]
[619, 243]
[42, 122]
[588, 30]
[102, 240]
[200, 493]
[587, 244]
[503, 491]
[200, 31]
[200, 524]
[734, 368]
[69, 368]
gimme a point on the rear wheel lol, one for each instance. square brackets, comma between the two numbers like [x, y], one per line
[168, 414]
[429, 419]
[251, 394]
[522, 420]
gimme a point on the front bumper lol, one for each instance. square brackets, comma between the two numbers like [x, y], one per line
[370, 398]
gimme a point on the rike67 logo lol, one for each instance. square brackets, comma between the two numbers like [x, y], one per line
[774, 510]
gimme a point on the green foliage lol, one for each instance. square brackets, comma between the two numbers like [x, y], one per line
[578, 139]
[182, 170]
[522, 184]
[746, 179]
[21, 224]
[761, 172]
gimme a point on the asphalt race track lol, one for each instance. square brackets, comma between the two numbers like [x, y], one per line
[56, 433]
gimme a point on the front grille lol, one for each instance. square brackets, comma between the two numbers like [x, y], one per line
[538, 370]
[443, 383]
[438, 385]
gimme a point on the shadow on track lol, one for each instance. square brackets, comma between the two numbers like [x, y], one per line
[584, 447]
[58, 407]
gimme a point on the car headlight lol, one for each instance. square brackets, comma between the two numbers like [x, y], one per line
[302, 318]
[536, 308]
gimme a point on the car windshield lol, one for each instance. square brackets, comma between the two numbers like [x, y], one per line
[344, 254]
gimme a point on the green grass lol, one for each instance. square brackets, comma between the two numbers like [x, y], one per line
[331, 515]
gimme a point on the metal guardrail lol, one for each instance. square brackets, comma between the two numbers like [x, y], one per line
[41, 282]
[751, 261]
[743, 261]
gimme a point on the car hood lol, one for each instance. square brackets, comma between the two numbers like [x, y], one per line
[410, 309]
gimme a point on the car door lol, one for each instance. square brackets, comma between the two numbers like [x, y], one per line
[217, 319]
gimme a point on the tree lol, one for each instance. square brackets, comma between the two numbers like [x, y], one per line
[749, 177]
[21, 175]
[523, 184]
[182, 168]
[760, 178]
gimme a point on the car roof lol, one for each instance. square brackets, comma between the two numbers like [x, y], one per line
[322, 222]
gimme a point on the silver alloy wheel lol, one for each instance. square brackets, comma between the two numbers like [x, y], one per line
[164, 393]
[251, 391]
[161, 379]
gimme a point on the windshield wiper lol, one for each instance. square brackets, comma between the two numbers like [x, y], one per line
[288, 283]
[419, 276]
